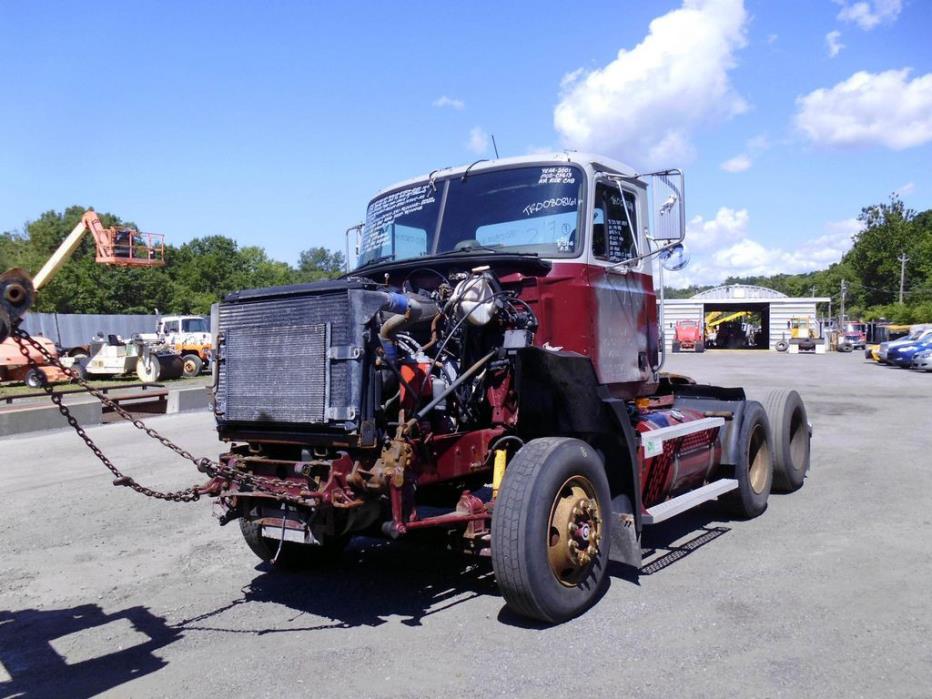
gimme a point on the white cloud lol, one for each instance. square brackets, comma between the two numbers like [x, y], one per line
[450, 102]
[905, 189]
[478, 141]
[758, 144]
[868, 15]
[645, 104]
[742, 161]
[722, 247]
[869, 109]
[739, 163]
[728, 227]
[833, 42]
[772, 39]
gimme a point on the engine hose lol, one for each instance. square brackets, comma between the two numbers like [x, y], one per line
[409, 310]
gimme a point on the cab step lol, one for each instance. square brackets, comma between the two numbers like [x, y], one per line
[687, 501]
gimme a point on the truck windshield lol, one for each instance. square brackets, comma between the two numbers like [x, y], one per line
[524, 209]
[194, 325]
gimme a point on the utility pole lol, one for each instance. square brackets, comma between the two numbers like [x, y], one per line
[903, 260]
[844, 290]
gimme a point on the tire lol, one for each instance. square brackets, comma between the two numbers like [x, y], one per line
[35, 378]
[676, 346]
[754, 470]
[700, 347]
[551, 481]
[782, 346]
[293, 556]
[148, 372]
[789, 426]
[192, 366]
[845, 348]
[79, 366]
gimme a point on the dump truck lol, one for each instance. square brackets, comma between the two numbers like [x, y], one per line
[491, 368]
[189, 336]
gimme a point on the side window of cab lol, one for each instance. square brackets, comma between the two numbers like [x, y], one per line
[614, 224]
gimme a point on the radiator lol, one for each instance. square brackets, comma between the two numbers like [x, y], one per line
[294, 357]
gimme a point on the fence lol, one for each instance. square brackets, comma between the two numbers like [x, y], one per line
[76, 329]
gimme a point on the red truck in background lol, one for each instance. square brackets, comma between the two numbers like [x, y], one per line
[687, 337]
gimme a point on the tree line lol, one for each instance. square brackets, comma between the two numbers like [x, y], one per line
[195, 275]
[870, 271]
[201, 271]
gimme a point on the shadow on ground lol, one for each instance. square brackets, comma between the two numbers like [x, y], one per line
[374, 581]
[37, 669]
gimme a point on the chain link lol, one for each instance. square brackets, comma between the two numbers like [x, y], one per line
[214, 469]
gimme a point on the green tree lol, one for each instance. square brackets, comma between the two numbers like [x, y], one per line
[315, 264]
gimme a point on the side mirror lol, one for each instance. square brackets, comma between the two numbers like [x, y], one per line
[667, 192]
[353, 233]
[674, 258]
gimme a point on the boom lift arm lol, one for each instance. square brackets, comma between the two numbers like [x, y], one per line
[115, 246]
[120, 246]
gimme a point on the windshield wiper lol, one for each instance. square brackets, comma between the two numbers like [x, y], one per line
[471, 246]
[376, 260]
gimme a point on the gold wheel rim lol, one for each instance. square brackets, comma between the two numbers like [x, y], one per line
[758, 459]
[574, 531]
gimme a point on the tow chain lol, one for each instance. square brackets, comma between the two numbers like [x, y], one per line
[218, 472]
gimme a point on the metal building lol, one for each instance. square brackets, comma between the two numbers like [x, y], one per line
[775, 310]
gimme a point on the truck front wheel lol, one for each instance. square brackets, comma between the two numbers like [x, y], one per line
[550, 529]
[293, 556]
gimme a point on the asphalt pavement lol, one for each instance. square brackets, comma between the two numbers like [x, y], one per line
[828, 593]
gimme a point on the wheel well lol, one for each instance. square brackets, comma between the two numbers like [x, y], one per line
[559, 396]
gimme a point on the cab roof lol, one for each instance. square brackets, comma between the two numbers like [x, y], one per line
[588, 161]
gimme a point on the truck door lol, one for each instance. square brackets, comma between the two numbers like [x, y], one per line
[625, 315]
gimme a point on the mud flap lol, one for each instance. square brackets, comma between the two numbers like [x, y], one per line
[625, 547]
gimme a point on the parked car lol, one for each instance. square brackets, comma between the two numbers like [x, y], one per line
[916, 333]
[902, 356]
[922, 361]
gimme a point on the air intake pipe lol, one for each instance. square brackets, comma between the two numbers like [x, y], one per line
[408, 309]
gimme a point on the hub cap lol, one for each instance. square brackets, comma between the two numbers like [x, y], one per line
[575, 531]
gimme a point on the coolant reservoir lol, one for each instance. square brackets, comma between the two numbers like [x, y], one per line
[475, 299]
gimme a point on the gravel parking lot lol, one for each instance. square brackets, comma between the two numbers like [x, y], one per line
[829, 593]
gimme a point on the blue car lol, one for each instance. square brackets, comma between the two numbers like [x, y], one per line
[903, 355]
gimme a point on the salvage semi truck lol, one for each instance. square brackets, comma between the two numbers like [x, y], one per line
[491, 367]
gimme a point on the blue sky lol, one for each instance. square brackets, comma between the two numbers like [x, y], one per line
[274, 122]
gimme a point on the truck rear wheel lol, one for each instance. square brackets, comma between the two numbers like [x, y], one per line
[192, 366]
[36, 378]
[790, 427]
[754, 470]
[293, 556]
[550, 529]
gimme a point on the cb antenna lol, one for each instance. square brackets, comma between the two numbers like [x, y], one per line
[494, 146]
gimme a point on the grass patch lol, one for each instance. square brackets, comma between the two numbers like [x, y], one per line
[11, 389]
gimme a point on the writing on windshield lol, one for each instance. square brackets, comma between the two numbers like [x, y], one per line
[528, 209]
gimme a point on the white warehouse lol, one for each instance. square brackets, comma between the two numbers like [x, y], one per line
[725, 307]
